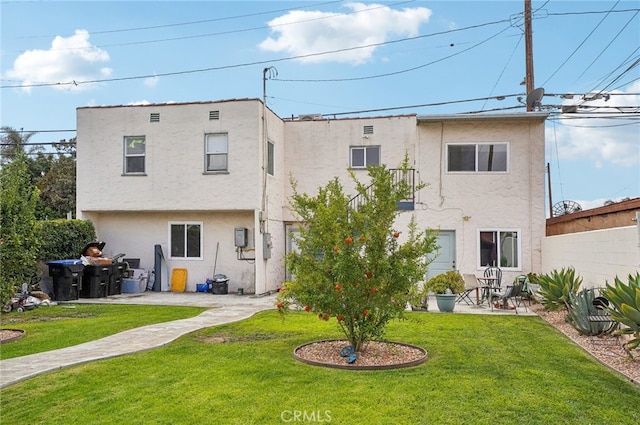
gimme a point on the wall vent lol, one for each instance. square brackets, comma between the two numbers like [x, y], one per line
[214, 115]
[368, 129]
[309, 117]
[155, 117]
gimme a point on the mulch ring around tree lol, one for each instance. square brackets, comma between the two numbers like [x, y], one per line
[10, 335]
[376, 355]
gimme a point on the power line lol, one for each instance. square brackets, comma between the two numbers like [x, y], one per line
[606, 47]
[188, 37]
[388, 74]
[580, 45]
[218, 68]
[204, 21]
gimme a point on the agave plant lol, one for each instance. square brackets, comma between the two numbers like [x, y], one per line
[580, 307]
[555, 288]
[624, 306]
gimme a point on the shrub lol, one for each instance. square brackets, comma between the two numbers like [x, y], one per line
[18, 240]
[350, 262]
[451, 280]
[624, 306]
[580, 307]
[556, 287]
[64, 239]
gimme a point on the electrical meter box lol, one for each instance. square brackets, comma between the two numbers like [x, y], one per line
[241, 237]
[266, 245]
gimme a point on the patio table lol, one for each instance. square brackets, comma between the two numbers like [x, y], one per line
[488, 285]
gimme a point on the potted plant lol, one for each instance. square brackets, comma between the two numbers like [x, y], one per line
[445, 286]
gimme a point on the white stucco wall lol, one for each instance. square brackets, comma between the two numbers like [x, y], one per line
[463, 202]
[135, 234]
[597, 256]
[175, 187]
[131, 213]
[318, 151]
[470, 202]
[174, 160]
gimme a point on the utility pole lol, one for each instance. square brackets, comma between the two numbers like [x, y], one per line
[528, 40]
[549, 182]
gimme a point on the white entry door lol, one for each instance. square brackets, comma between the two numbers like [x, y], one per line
[446, 259]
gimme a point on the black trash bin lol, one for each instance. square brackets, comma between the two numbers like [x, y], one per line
[219, 285]
[95, 281]
[96, 278]
[67, 279]
[115, 281]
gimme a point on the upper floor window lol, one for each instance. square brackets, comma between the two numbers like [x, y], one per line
[270, 157]
[363, 156]
[185, 240]
[499, 248]
[477, 157]
[216, 152]
[134, 154]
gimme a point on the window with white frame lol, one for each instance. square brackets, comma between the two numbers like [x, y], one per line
[185, 240]
[270, 157]
[499, 248]
[363, 156]
[216, 152]
[134, 154]
[477, 157]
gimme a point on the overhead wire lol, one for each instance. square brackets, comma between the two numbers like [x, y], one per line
[204, 21]
[217, 68]
[236, 31]
[605, 48]
[580, 45]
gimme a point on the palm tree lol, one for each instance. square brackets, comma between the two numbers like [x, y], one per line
[14, 141]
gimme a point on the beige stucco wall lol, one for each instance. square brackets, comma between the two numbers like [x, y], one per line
[597, 256]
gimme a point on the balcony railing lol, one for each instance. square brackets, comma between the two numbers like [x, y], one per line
[399, 175]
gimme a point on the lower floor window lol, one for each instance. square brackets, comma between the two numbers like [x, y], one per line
[185, 240]
[499, 248]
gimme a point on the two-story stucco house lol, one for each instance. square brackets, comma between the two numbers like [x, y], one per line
[209, 182]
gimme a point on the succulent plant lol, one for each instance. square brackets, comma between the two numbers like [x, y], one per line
[556, 287]
[580, 307]
[624, 306]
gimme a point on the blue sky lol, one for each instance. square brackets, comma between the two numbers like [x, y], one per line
[331, 57]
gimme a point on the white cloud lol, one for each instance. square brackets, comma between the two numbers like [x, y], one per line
[603, 142]
[151, 81]
[69, 59]
[139, 103]
[301, 33]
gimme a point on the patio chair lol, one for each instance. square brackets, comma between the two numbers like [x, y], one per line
[470, 285]
[491, 281]
[508, 297]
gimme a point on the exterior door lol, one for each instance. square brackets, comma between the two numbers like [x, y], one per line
[290, 230]
[446, 259]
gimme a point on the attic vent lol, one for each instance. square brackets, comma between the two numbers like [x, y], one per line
[368, 129]
[155, 117]
[214, 115]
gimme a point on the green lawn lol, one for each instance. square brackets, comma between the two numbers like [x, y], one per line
[481, 370]
[49, 328]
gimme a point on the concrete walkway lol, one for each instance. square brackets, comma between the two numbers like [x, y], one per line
[223, 309]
